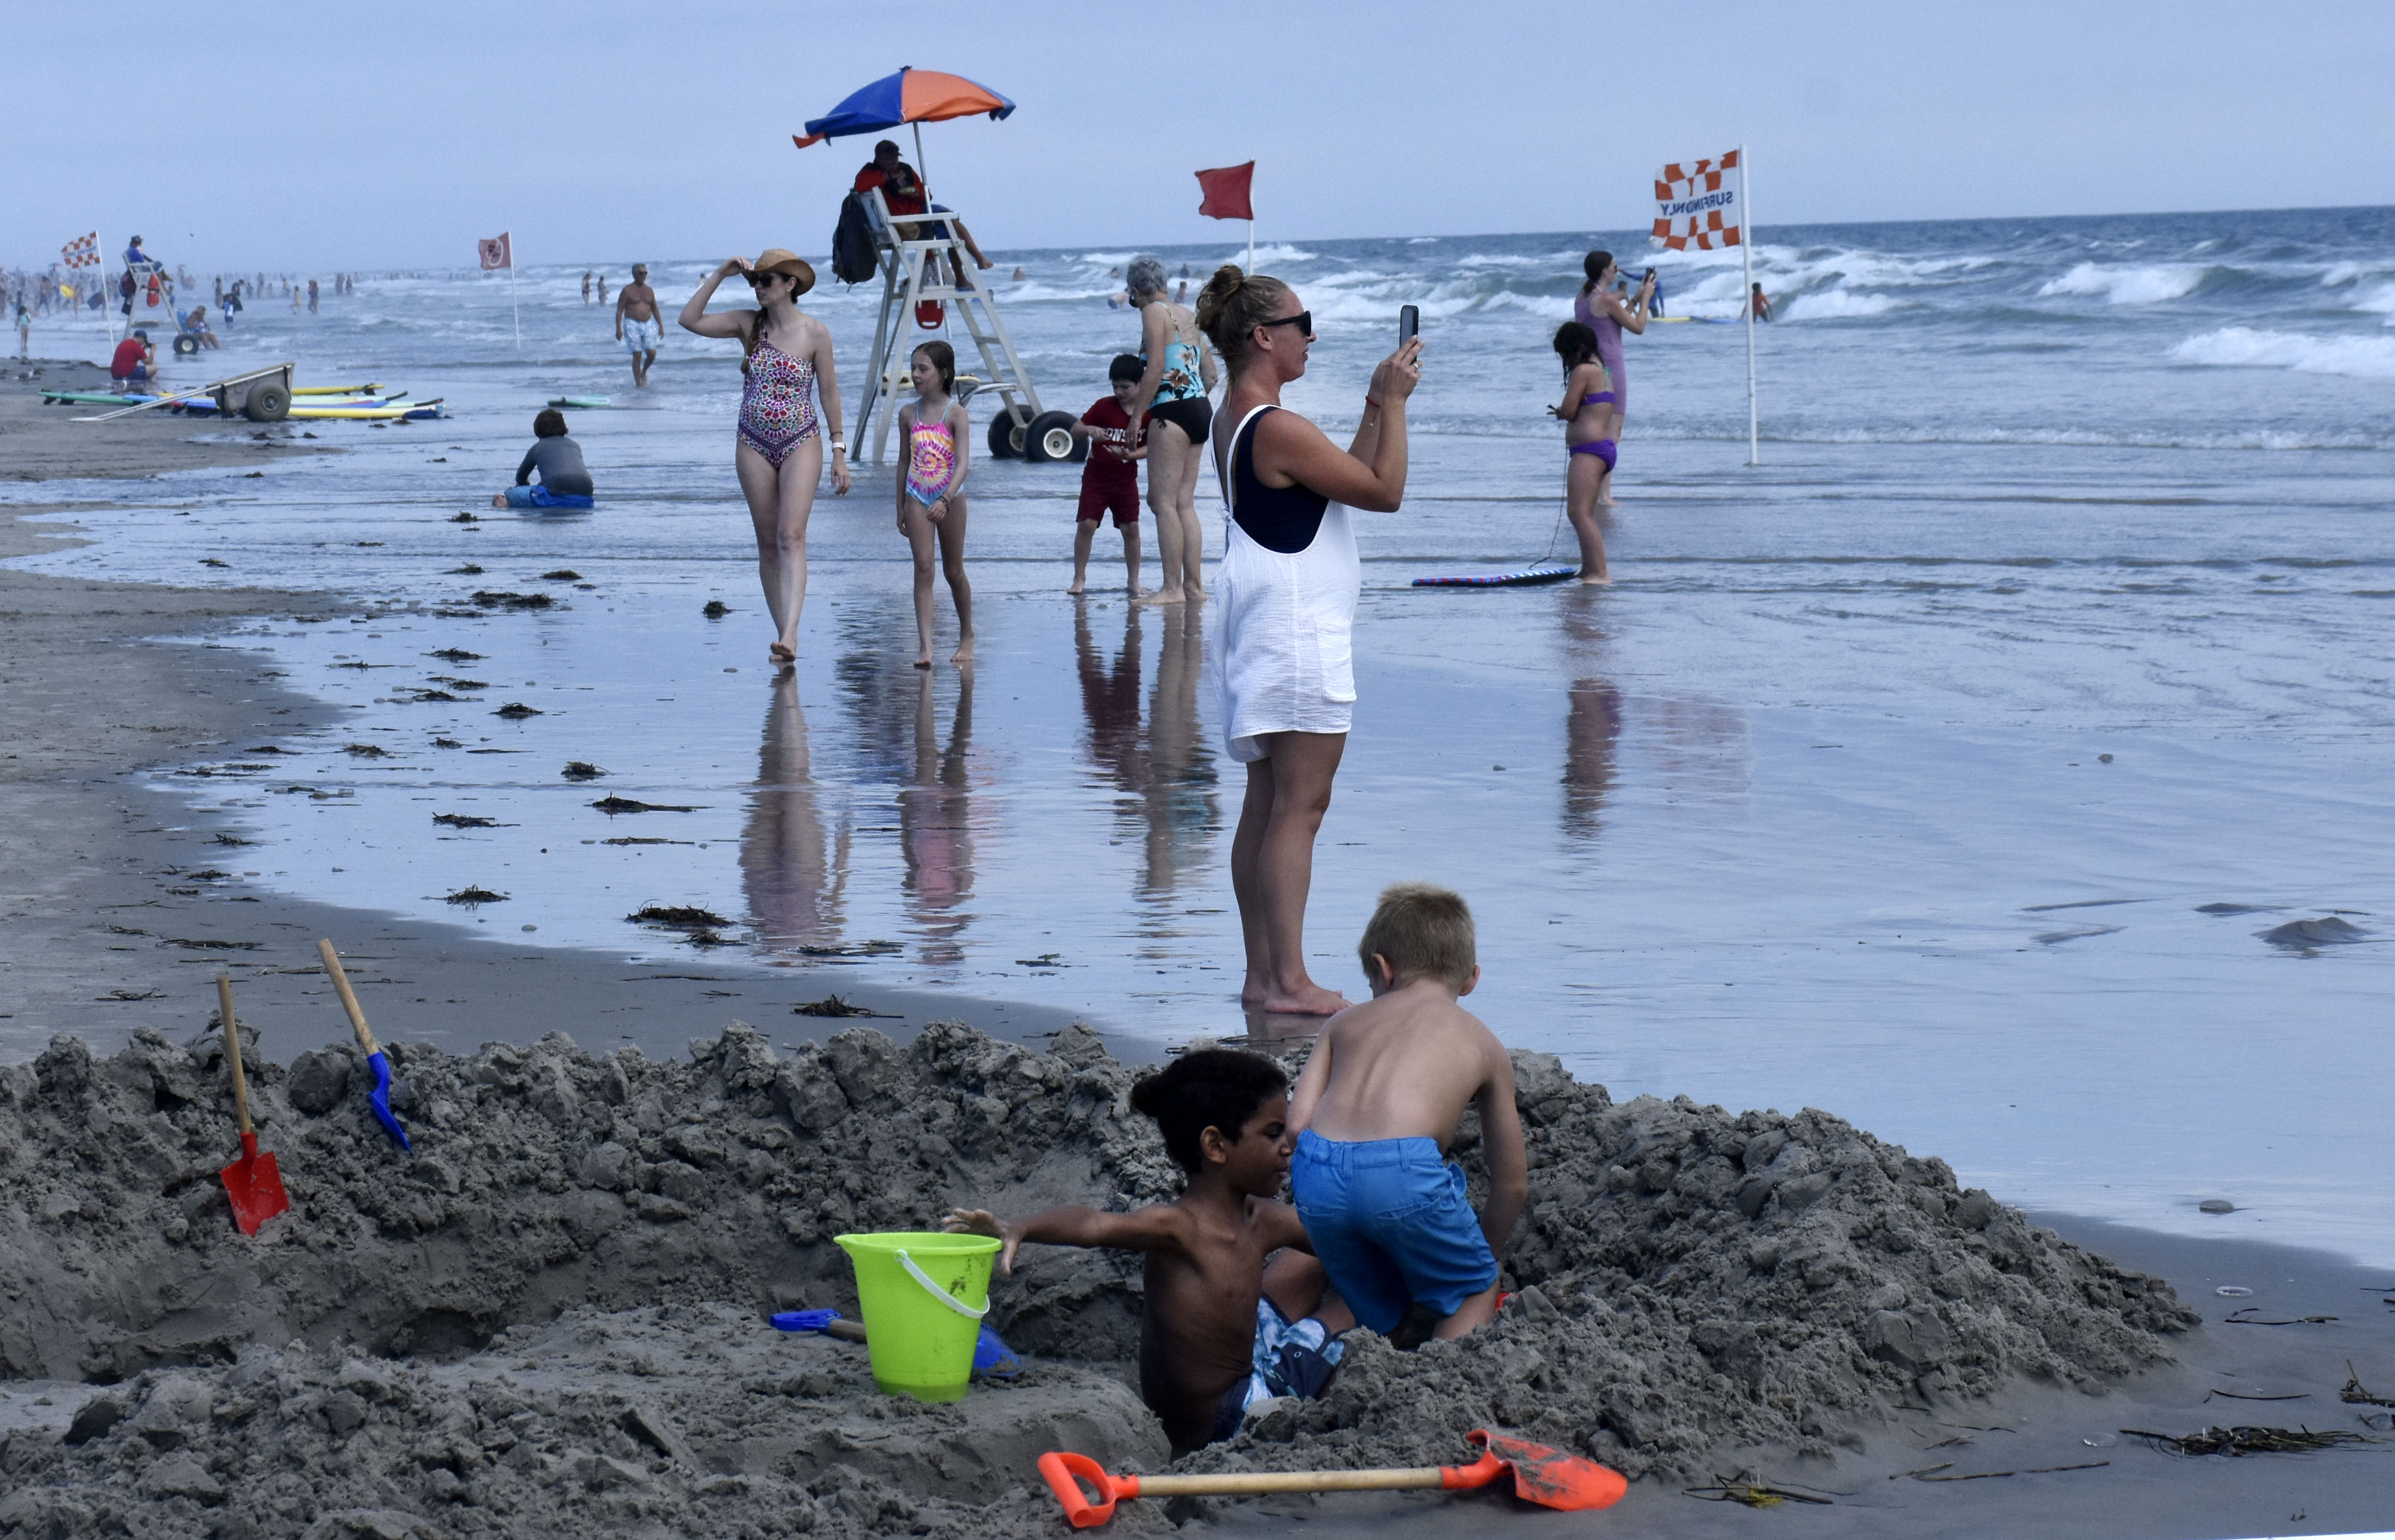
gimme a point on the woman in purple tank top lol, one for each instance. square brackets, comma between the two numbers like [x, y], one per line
[1602, 311]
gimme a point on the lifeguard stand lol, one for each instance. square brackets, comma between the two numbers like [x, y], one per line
[1021, 428]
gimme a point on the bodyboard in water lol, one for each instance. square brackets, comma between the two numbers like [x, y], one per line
[1526, 575]
[584, 401]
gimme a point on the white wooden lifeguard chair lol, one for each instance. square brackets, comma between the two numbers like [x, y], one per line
[1020, 428]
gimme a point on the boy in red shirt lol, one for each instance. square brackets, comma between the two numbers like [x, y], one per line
[1110, 476]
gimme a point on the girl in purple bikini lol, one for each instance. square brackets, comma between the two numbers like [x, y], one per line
[1589, 406]
[787, 359]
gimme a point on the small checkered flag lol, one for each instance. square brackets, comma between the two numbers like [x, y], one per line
[1695, 205]
[82, 252]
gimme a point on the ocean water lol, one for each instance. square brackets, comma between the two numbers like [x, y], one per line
[2002, 764]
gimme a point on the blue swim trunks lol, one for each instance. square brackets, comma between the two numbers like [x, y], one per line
[1391, 1224]
[541, 498]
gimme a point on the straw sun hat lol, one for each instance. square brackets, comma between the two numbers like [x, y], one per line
[781, 259]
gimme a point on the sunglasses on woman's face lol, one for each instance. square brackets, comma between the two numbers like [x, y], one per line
[1302, 321]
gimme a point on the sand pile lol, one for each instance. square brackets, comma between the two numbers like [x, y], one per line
[551, 1314]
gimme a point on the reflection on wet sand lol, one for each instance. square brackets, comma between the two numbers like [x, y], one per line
[795, 872]
[1592, 734]
[936, 823]
[1170, 768]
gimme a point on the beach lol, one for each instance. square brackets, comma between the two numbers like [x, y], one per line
[1956, 785]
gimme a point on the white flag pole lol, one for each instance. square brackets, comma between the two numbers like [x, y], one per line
[1252, 236]
[1746, 252]
[516, 305]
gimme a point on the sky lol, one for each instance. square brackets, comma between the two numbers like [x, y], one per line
[318, 137]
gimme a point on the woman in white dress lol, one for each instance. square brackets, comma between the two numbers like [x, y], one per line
[1280, 656]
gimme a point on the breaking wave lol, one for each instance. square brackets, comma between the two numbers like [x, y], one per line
[2242, 346]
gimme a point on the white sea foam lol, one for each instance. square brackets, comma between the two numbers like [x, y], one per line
[2242, 346]
[1272, 252]
[1839, 305]
[2145, 285]
[2378, 301]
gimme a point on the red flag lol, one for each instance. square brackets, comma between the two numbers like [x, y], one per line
[496, 252]
[1225, 190]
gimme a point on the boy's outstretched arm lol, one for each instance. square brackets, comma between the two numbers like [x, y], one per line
[1311, 1082]
[1501, 1146]
[1157, 1227]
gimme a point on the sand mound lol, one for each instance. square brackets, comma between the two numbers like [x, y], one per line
[550, 1315]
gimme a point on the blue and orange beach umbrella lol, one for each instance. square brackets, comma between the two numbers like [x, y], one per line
[911, 96]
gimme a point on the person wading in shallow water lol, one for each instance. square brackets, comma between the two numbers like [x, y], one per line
[787, 359]
[1280, 656]
[639, 323]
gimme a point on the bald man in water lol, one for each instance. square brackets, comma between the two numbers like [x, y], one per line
[637, 302]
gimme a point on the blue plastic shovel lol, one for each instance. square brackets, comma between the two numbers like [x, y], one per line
[375, 1058]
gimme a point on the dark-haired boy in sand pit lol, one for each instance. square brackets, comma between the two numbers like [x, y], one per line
[1376, 1109]
[1219, 1330]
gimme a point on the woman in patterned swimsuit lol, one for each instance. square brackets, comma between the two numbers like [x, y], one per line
[787, 359]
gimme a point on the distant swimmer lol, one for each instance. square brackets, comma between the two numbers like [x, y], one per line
[1762, 304]
[778, 449]
[1588, 409]
[1608, 315]
[24, 330]
[640, 325]
[602, 288]
[311, 296]
[1020, 275]
[585, 287]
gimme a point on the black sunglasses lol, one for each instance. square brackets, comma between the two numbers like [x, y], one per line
[1302, 321]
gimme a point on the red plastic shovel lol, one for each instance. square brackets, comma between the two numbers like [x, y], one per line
[1547, 1476]
[252, 1182]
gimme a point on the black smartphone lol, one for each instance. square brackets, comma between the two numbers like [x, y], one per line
[1409, 323]
[1649, 278]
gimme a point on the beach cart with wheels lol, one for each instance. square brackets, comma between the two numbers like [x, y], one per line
[261, 395]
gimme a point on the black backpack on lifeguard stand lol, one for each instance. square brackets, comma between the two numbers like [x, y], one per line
[852, 242]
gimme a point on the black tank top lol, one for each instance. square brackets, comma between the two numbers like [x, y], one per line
[1278, 519]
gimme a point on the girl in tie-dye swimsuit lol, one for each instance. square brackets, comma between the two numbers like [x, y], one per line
[787, 359]
[931, 495]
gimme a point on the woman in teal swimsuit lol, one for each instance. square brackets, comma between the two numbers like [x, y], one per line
[1173, 395]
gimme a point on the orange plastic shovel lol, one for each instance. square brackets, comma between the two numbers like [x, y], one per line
[1547, 1476]
[252, 1182]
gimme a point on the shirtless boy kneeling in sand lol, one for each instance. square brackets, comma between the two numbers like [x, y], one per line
[1377, 1108]
[1219, 1330]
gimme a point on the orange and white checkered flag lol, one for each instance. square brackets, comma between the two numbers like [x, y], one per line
[1697, 206]
[82, 252]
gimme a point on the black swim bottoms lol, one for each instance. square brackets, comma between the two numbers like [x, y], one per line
[1192, 415]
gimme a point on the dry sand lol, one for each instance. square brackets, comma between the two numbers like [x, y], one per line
[550, 1317]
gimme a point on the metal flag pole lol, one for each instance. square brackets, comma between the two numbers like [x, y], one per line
[1746, 253]
[517, 305]
[1252, 238]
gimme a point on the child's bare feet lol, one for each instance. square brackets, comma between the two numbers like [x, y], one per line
[1078, 585]
[963, 654]
[923, 663]
[782, 653]
[1599, 578]
[1167, 595]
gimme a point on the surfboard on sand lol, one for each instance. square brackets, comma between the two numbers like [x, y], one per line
[1540, 573]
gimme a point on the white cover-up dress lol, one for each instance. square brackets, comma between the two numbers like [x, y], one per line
[1280, 651]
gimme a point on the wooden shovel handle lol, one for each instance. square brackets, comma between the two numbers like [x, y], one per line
[348, 997]
[232, 1051]
[1428, 1476]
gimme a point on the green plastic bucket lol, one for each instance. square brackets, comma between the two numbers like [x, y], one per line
[922, 1294]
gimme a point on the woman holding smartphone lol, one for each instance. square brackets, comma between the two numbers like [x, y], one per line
[786, 358]
[1281, 658]
[1608, 315]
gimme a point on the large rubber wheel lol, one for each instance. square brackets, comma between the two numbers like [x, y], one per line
[267, 403]
[1006, 433]
[1050, 438]
[186, 345]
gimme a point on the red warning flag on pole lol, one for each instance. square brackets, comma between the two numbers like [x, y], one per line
[1225, 190]
[496, 253]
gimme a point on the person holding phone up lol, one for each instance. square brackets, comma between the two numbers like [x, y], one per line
[1280, 656]
[1606, 314]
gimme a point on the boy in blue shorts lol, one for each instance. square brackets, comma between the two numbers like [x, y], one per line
[1110, 476]
[1377, 1106]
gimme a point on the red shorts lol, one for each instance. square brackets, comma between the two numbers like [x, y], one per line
[1097, 498]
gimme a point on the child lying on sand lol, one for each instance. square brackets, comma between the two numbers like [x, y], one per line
[1219, 1330]
[1377, 1106]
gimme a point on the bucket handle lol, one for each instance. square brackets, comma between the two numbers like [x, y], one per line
[943, 1295]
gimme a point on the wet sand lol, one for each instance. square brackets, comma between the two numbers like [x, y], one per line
[104, 908]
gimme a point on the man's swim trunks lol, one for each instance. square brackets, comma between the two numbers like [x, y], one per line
[642, 337]
[1288, 1359]
[1391, 1223]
